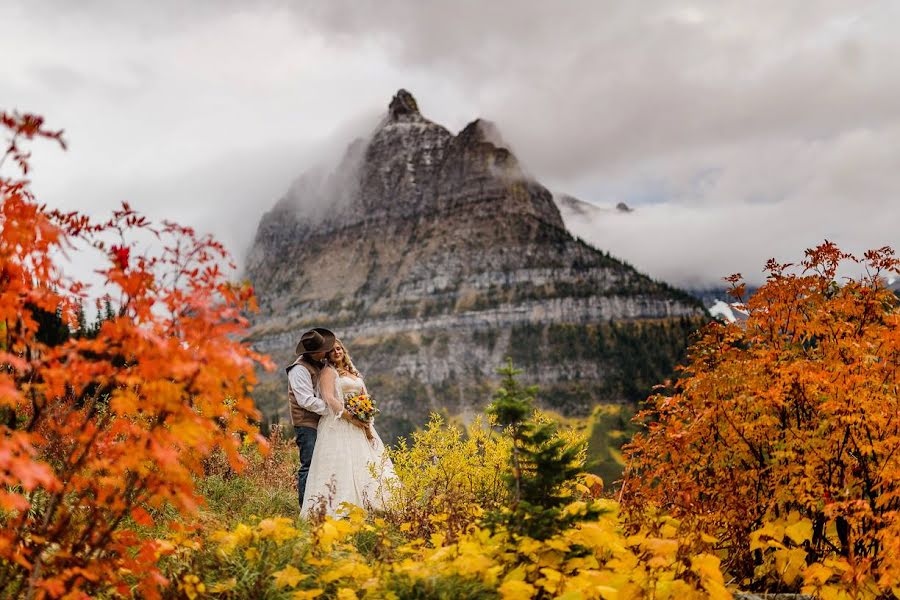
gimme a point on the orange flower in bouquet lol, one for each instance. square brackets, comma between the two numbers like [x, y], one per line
[361, 406]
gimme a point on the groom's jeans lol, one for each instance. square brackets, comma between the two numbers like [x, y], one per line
[306, 442]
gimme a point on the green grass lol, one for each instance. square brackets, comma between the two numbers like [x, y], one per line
[236, 499]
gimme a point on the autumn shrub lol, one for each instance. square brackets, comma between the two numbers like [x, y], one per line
[793, 413]
[782, 548]
[103, 434]
[447, 477]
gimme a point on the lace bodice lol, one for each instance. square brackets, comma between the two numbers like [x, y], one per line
[342, 387]
[348, 384]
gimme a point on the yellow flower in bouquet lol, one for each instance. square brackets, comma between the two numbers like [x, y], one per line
[361, 406]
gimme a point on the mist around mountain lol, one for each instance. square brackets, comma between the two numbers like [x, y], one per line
[434, 256]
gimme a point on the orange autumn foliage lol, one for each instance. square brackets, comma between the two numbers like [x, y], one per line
[794, 412]
[98, 433]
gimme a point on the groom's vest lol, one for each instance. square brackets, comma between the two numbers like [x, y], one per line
[301, 417]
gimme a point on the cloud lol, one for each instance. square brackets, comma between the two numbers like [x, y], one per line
[742, 131]
[770, 199]
[739, 131]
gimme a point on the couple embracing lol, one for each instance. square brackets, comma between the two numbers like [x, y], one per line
[333, 416]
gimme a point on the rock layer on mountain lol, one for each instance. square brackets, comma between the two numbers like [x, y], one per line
[434, 256]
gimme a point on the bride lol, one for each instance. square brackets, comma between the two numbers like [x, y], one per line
[340, 468]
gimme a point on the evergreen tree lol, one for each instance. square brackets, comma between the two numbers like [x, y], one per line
[108, 313]
[52, 329]
[81, 321]
[541, 463]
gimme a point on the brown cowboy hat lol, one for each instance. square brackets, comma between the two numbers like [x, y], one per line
[317, 339]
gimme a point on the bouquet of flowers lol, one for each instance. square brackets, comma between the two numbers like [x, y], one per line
[361, 406]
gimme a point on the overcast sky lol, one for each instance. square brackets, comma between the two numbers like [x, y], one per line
[738, 130]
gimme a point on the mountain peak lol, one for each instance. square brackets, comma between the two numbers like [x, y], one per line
[403, 106]
[437, 250]
[481, 130]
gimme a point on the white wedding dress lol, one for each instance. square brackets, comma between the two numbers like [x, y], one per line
[346, 466]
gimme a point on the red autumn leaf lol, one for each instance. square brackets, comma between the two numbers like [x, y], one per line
[141, 516]
[120, 256]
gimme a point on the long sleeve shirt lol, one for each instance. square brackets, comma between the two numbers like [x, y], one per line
[304, 394]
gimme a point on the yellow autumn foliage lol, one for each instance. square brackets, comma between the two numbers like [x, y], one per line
[591, 560]
[432, 542]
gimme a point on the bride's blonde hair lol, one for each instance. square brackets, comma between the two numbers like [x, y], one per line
[346, 363]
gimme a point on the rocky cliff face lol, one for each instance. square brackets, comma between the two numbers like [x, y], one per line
[435, 257]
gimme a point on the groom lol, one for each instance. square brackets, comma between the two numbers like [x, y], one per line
[306, 406]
